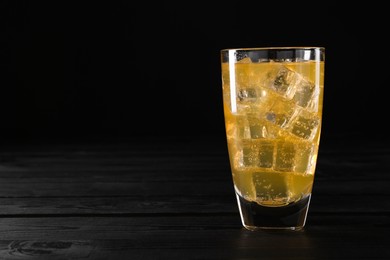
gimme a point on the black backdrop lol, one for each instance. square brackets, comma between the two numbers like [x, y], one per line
[94, 70]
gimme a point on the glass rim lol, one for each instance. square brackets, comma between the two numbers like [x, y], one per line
[275, 48]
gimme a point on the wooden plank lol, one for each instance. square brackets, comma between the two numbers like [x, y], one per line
[223, 203]
[118, 187]
[148, 170]
[321, 226]
[142, 149]
[118, 205]
[126, 249]
[325, 237]
[87, 164]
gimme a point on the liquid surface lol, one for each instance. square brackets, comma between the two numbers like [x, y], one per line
[273, 114]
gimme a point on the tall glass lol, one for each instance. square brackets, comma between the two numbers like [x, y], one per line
[273, 111]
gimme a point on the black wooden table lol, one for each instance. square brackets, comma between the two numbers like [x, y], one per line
[172, 198]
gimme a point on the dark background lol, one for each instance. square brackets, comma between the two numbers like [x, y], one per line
[92, 70]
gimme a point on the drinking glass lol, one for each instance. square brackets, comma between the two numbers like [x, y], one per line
[273, 99]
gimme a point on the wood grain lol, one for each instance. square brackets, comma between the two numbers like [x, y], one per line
[168, 199]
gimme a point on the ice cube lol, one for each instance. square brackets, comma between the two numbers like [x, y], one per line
[281, 112]
[251, 126]
[271, 188]
[313, 103]
[257, 126]
[305, 125]
[243, 184]
[243, 58]
[255, 153]
[248, 98]
[305, 158]
[241, 127]
[266, 154]
[285, 156]
[249, 156]
[304, 91]
[245, 154]
[247, 94]
[282, 80]
[291, 85]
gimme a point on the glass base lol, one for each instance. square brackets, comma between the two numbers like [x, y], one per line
[290, 217]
